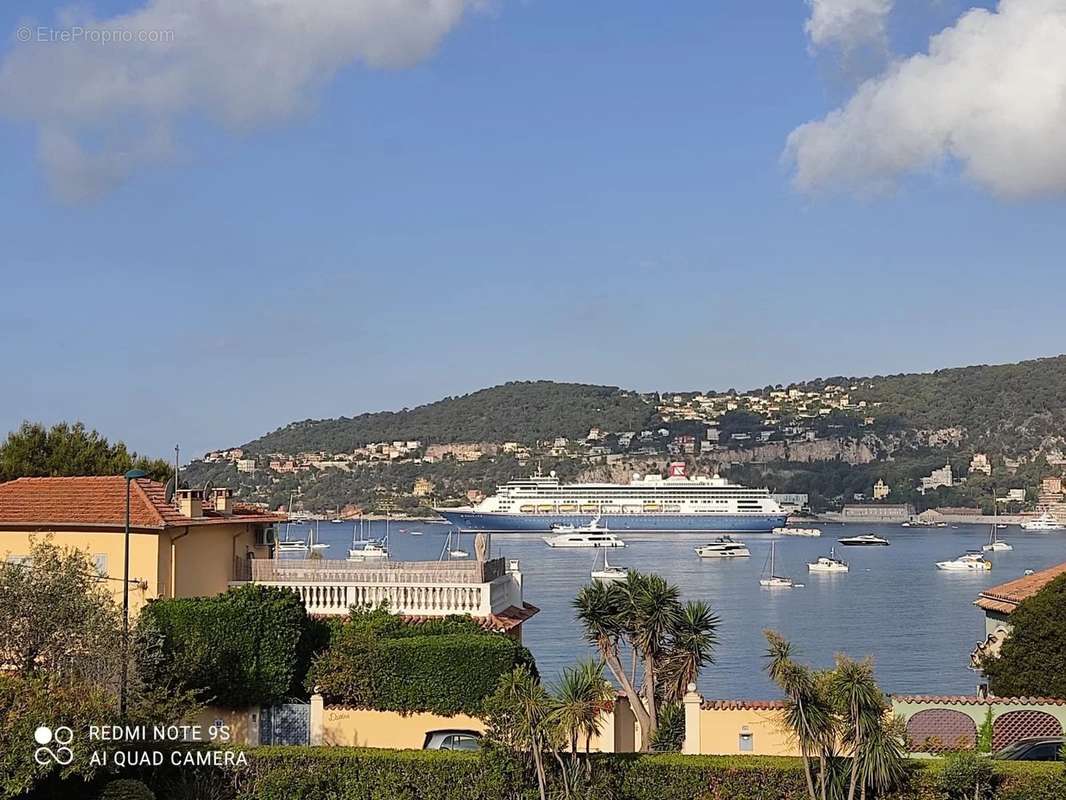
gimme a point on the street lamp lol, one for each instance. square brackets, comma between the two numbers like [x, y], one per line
[130, 477]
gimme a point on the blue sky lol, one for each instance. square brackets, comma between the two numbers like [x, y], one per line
[589, 191]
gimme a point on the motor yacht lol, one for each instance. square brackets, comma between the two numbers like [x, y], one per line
[968, 562]
[583, 540]
[1045, 522]
[866, 539]
[723, 547]
[371, 550]
[828, 563]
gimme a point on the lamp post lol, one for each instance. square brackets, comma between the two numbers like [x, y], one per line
[130, 477]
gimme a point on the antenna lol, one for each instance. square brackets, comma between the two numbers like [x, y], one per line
[177, 466]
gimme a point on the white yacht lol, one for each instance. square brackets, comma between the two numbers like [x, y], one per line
[774, 581]
[1045, 522]
[866, 539]
[723, 547]
[994, 544]
[968, 562]
[574, 539]
[828, 563]
[609, 573]
[810, 532]
[371, 550]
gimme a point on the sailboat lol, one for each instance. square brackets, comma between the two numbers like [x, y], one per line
[452, 549]
[609, 573]
[994, 544]
[364, 549]
[287, 545]
[772, 581]
[311, 543]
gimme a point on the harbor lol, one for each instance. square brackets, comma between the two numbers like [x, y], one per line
[917, 622]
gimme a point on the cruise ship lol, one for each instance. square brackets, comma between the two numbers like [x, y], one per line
[647, 503]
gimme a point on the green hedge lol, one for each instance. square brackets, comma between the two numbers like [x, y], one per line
[445, 674]
[336, 773]
[249, 646]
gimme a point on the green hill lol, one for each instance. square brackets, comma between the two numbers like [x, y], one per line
[1009, 408]
[524, 412]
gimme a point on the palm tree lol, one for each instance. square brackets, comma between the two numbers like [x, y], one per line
[808, 713]
[695, 636]
[600, 610]
[580, 700]
[861, 706]
[655, 608]
[883, 758]
[533, 706]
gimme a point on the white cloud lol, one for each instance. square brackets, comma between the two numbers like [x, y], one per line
[990, 94]
[103, 109]
[847, 23]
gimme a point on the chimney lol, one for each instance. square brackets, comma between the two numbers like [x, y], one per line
[223, 500]
[190, 502]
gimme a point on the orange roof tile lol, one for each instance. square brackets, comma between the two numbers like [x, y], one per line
[1006, 597]
[955, 700]
[742, 705]
[101, 502]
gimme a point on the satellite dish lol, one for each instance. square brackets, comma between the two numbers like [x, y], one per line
[207, 489]
[168, 491]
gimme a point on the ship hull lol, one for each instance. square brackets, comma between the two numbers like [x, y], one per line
[647, 523]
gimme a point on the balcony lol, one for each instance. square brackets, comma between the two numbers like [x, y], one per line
[411, 588]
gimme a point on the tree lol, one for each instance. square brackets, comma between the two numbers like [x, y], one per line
[519, 717]
[34, 451]
[644, 617]
[841, 718]
[57, 618]
[1032, 662]
[581, 698]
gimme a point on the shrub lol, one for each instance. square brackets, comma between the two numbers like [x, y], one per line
[967, 776]
[126, 790]
[444, 666]
[248, 646]
[1032, 662]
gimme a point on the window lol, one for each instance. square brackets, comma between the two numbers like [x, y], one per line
[747, 742]
[100, 564]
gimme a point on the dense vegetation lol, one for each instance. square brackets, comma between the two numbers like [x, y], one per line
[1006, 407]
[34, 451]
[247, 647]
[525, 411]
[446, 666]
[283, 773]
[1032, 662]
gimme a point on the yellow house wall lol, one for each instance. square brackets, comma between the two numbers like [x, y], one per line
[243, 724]
[144, 556]
[199, 562]
[720, 732]
[350, 727]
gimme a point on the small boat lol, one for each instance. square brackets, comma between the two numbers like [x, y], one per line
[1045, 522]
[994, 544]
[371, 550]
[288, 545]
[828, 563]
[609, 573]
[312, 544]
[1002, 526]
[452, 547]
[811, 532]
[972, 561]
[866, 539]
[723, 547]
[414, 533]
[772, 581]
[905, 525]
[583, 540]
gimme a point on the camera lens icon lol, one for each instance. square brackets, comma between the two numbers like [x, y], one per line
[61, 736]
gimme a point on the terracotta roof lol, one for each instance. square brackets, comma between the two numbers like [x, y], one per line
[742, 705]
[507, 620]
[970, 700]
[1006, 597]
[101, 502]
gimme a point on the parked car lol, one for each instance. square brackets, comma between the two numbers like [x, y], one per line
[452, 740]
[1043, 748]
